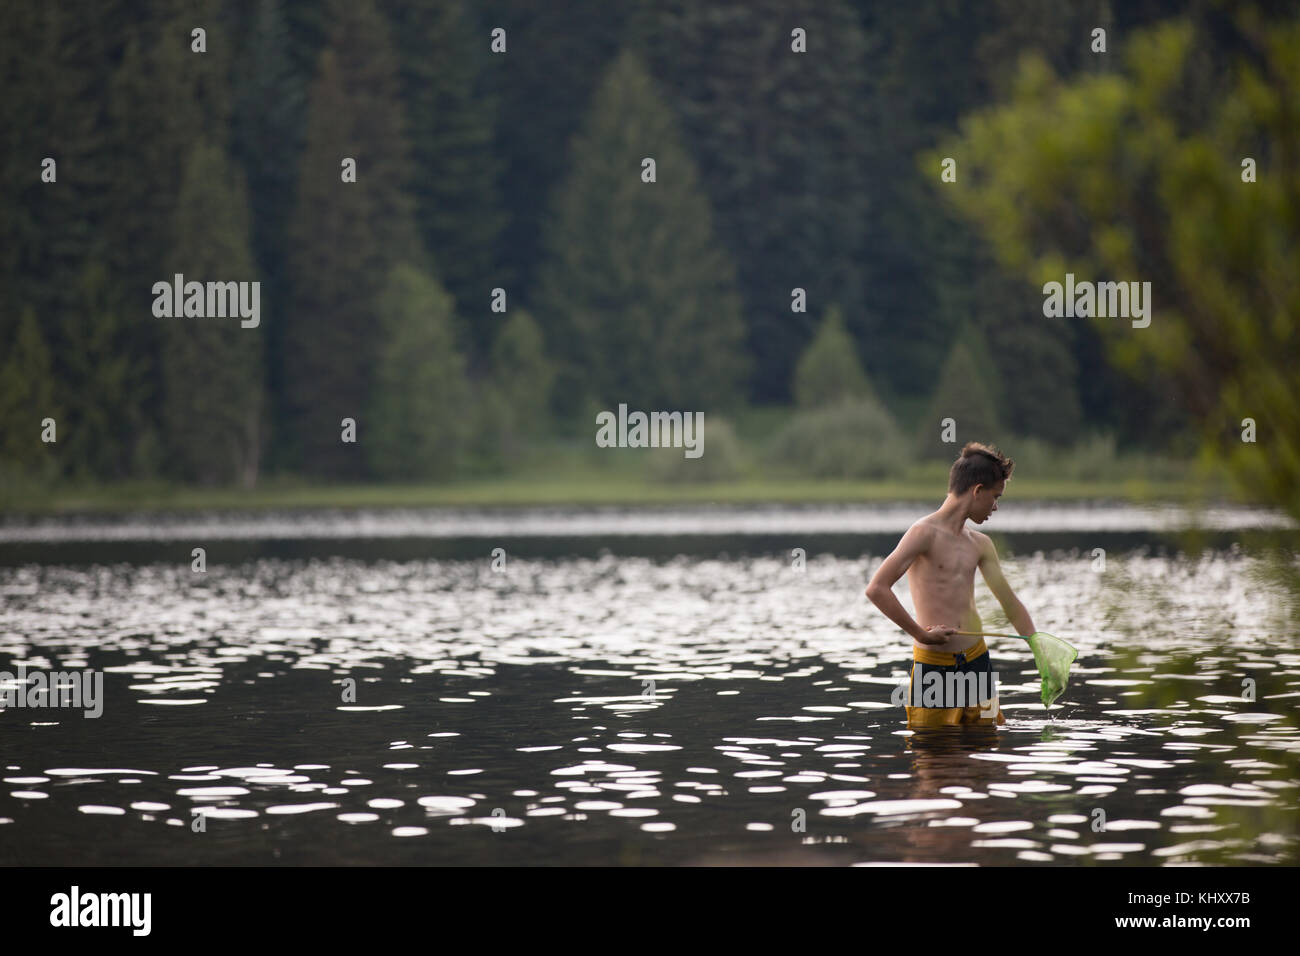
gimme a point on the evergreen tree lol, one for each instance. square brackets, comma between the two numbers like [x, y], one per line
[212, 375]
[27, 397]
[106, 386]
[920, 263]
[779, 138]
[309, 25]
[521, 380]
[344, 238]
[163, 97]
[521, 369]
[636, 291]
[451, 118]
[961, 393]
[1033, 377]
[562, 47]
[25, 46]
[53, 60]
[418, 421]
[829, 371]
[267, 132]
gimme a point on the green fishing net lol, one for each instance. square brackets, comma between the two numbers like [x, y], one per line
[1053, 657]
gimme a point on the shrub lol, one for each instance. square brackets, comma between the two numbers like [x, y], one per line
[724, 457]
[852, 439]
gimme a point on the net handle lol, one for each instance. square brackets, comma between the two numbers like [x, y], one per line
[1023, 637]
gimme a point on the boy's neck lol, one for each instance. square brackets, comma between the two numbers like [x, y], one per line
[954, 511]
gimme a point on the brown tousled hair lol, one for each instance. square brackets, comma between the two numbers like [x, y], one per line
[978, 464]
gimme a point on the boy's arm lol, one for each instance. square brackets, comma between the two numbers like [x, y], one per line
[992, 571]
[881, 589]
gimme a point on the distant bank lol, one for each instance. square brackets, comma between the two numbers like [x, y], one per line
[577, 489]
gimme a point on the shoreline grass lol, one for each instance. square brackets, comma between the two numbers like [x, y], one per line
[582, 487]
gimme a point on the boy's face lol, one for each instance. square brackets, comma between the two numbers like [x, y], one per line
[985, 501]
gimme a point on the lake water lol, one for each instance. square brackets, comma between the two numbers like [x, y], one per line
[660, 686]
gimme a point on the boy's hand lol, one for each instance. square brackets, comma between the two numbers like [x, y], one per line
[938, 634]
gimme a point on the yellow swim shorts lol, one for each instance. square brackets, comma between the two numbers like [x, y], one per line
[950, 689]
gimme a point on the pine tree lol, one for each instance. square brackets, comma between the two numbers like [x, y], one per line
[566, 47]
[27, 397]
[961, 393]
[267, 133]
[308, 25]
[521, 381]
[418, 421]
[162, 98]
[53, 60]
[521, 369]
[636, 291]
[451, 118]
[212, 373]
[779, 137]
[1033, 366]
[106, 386]
[829, 371]
[344, 239]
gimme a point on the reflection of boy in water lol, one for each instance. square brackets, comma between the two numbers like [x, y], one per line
[940, 555]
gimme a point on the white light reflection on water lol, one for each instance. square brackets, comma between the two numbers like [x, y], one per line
[676, 707]
[1027, 516]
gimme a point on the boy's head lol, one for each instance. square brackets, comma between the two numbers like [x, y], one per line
[980, 471]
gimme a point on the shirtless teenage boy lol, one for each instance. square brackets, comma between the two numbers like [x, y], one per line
[940, 555]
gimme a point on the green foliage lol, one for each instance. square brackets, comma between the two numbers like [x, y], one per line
[26, 398]
[776, 170]
[106, 387]
[418, 422]
[1032, 372]
[1137, 177]
[511, 405]
[533, 133]
[177, 96]
[636, 291]
[963, 393]
[854, 439]
[54, 61]
[779, 137]
[212, 368]
[454, 169]
[267, 137]
[344, 238]
[1095, 457]
[928, 269]
[922, 265]
[522, 377]
[829, 371]
[724, 457]
[160, 86]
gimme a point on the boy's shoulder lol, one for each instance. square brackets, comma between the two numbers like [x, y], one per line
[925, 521]
[928, 527]
[922, 526]
[928, 523]
[982, 541]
